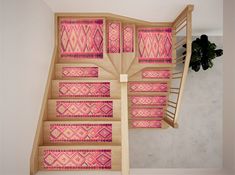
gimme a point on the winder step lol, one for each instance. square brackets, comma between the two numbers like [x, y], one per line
[80, 158]
[86, 88]
[82, 132]
[82, 71]
[84, 109]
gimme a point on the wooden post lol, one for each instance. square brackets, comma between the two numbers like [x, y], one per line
[124, 124]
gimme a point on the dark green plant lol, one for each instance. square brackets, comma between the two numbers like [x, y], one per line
[203, 52]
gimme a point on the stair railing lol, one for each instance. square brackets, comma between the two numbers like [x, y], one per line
[182, 37]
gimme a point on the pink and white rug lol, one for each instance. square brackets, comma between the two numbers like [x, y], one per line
[155, 45]
[84, 109]
[81, 38]
[148, 87]
[156, 74]
[79, 72]
[149, 100]
[146, 124]
[80, 133]
[77, 159]
[84, 89]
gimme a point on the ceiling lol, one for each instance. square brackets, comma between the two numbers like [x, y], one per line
[207, 14]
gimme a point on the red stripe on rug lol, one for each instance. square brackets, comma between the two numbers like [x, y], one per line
[81, 132]
[84, 89]
[77, 159]
[84, 108]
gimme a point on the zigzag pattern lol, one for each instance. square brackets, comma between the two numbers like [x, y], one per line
[148, 87]
[84, 89]
[155, 45]
[113, 37]
[128, 38]
[158, 74]
[79, 72]
[81, 132]
[147, 112]
[146, 124]
[149, 100]
[81, 38]
[84, 108]
[76, 159]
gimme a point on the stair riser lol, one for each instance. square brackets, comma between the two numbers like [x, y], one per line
[82, 71]
[80, 158]
[147, 100]
[84, 110]
[82, 133]
[86, 89]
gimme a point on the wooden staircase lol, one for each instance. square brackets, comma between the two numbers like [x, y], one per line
[105, 77]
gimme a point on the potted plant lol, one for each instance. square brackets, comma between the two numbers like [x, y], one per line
[203, 52]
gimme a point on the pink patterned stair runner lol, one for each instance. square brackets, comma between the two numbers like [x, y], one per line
[148, 87]
[113, 45]
[84, 89]
[146, 124]
[81, 38]
[155, 45]
[81, 132]
[79, 72]
[77, 159]
[128, 38]
[84, 109]
[149, 100]
[157, 74]
[156, 113]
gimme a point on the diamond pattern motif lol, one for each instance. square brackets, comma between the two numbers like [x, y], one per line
[128, 38]
[81, 38]
[158, 74]
[113, 37]
[149, 100]
[77, 159]
[148, 87]
[155, 45]
[147, 112]
[79, 72]
[84, 109]
[81, 132]
[146, 124]
[84, 89]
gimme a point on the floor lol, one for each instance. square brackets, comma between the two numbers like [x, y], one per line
[197, 143]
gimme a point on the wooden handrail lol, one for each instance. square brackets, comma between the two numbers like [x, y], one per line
[124, 124]
[187, 13]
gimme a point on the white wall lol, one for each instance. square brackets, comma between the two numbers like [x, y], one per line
[229, 86]
[1, 92]
[207, 14]
[28, 42]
